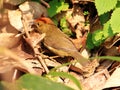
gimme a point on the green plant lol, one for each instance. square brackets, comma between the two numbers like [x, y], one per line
[86, 13]
[66, 75]
[109, 13]
[64, 27]
[56, 6]
[34, 82]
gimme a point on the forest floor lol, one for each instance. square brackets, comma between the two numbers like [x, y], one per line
[22, 50]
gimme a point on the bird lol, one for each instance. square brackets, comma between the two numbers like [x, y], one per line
[56, 41]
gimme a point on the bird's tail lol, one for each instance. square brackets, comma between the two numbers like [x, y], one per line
[77, 56]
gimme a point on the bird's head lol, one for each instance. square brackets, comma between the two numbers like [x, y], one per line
[42, 23]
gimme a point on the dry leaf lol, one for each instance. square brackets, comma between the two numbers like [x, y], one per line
[3, 18]
[15, 19]
[87, 70]
[77, 20]
[52, 63]
[104, 65]
[5, 64]
[9, 40]
[28, 10]
[78, 17]
[111, 41]
[96, 81]
[8, 29]
[114, 80]
[20, 61]
[71, 84]
[36, 9]
[85, 53]
[5, 24]
[113, 51]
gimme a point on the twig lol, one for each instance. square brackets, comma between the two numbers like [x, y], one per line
[32, 43]
[45, 3]
[14, 75]
[25, 26]
[43, 64]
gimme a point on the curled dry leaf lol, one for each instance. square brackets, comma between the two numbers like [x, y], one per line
[96, 81]
[20, 61]
[114, 80]
[5, 24]
[8, 29]
[28, 10]
[36, 9]
[5, 64]
[16, 20]
[9, 40]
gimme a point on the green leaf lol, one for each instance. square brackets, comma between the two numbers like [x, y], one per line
[67, 31]
[64, 27]
[114, 58]
[118, 4]
[33, 82]
[114, 21]
[104, 18]
[10, 86]
[104, 6]
[1, 86]
[63, 22]
[57, 6]
[107, 30]
[97, 37]
[86, 12]
[55, 21]
[66, 75]
[89, 42]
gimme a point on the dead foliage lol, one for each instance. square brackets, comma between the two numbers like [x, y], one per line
[22, 51]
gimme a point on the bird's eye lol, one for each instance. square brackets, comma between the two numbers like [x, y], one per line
[39, 24]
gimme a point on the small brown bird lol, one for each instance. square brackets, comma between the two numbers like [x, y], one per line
[56, 41]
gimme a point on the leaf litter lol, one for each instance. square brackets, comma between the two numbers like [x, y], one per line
[21, 48]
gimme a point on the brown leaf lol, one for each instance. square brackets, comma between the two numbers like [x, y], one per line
[9, 40]
[5, 64]
[113, 51]
[20, 61]
[87, 70]
[36, 9]
[111, 41]
[15, 21]
[3, 18]
[77, 20]
[114, 80]
[97, 81]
